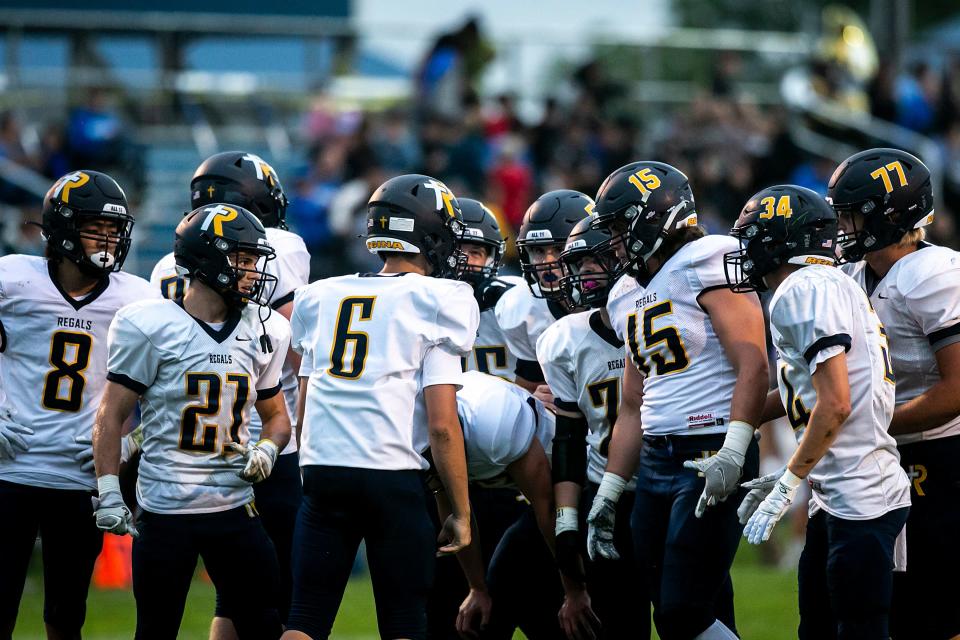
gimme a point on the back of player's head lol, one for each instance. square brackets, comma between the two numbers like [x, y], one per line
[210, 241]
[645, 204]
[480, 227]
[780, 225]
[547, 223]
[77, 199]
[243, 180]
[588, 264]
[416, 214]
[886, 193]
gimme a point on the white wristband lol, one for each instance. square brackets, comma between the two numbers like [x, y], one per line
[611, 486]
[738, 438]
[567, 520]
[108, 483]
[791, 480]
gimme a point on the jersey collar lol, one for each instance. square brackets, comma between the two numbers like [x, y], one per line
[556, 309]
[602, 330]
[233, 319]
[95, 293]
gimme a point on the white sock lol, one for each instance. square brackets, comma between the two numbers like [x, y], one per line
[717, 631]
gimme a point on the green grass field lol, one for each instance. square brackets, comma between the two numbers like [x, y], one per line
[766, 603]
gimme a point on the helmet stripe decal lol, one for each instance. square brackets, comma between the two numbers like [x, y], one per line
[444, 196]
[218, 215]
[68, 182]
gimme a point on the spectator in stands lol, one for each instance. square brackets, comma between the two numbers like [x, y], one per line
[450, 70]
[511, 182]
[918, 96]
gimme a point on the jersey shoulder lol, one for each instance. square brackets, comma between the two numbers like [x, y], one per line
[707, 249]
[286, 242]
[930, 263]
[515, 306]
[151, 312]
[276, 325]
[563, 337]
[166, 266]
[703, 261]
[810, 291]
[18, 266]
[133, 288]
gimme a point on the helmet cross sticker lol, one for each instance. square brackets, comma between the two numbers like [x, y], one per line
[444, 196]
[68, 182]
[218, 215]
[264, 171]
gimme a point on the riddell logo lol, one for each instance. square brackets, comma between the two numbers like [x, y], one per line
[395, 245]
[703, 420]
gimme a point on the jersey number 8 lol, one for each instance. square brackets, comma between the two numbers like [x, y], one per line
[69, 357]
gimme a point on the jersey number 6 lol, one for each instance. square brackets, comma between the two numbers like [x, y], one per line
[340, 365]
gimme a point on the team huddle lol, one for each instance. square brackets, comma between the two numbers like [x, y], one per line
[558, 453]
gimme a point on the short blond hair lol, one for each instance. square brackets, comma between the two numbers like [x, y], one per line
[912, 237]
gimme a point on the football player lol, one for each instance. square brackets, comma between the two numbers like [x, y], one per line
[836, 384]
[199, 366]
[497, 507]
[524, 312]
[381, 365]
[884, 199]
[507, 435]
[246, 180]
[483, 244]
[697, 385]
[55, 313]
[582, 359]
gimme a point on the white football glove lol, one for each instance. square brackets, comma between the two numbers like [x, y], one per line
[602, 518]
[112, 514]
[722, 471]
[129, 446]
[13, 435]
[768, 514]
[259, 459]
[759, 488]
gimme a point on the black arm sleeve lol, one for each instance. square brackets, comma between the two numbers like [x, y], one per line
[530, 370]
[570, 450]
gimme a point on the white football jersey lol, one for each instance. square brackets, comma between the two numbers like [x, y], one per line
[198, 386]
[500, 420]
[370, 344]
[816, 314]
[522, 318]
[292, 270]
[490, 353]
[918, 302]
[689, 380]
[167, 279]
[582, 361]
[53, 365]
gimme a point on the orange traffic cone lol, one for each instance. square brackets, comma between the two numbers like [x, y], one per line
[114, 569]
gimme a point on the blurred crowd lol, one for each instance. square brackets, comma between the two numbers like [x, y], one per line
[487, 147]
[93, 135]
